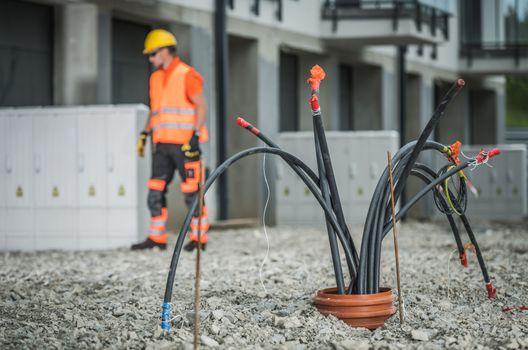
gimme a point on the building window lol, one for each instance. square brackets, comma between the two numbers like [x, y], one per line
[289, 92]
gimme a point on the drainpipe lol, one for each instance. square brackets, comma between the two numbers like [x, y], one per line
[402, 100]
[221, 98]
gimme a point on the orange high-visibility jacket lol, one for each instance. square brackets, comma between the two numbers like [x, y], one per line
[173, 115]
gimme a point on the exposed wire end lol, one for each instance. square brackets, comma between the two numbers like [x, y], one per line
[463, 259]
[165, 317]
[492, 291]
[484, 156]
[472, 188]
[454, 152]
[317, 74]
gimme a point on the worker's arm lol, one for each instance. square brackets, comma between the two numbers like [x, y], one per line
[201, 110]
[140, 145]
[147, 128]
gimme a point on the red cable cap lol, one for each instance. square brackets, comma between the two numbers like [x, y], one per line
[314, 102]
[492, 291]
[494, 152]
[242, 122]
[460, 83]
[463, 259]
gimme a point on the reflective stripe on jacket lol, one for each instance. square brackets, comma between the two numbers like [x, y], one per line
[173, 116]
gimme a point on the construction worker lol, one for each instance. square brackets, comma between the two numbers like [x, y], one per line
[176, 125]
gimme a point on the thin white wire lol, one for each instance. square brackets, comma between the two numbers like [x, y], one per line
[264, 223]
[448, 275]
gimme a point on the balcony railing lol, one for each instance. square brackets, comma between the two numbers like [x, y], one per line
[493, 50]
[336, 10]
[255, 7]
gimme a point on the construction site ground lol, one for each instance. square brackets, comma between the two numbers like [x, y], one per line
[112, 299]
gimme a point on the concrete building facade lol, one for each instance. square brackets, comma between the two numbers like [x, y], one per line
[86, 52]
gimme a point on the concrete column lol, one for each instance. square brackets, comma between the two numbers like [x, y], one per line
[104, 57]
[268, 116]
[388, 100]
[500, 122]
[242, 101]
[77, 54]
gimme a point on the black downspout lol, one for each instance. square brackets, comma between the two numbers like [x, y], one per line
[221, 98]
[402, 101]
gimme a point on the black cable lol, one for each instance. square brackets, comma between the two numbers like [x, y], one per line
[292, 161]
[325, 190]
[438, 113]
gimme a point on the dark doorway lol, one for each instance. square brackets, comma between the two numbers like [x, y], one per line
[130, 68]
[289, 92]
[26, 54]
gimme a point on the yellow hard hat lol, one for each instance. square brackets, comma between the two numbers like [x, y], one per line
[158, 38]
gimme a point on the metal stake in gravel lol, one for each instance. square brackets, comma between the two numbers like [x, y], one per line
[395, 235]
[198, 256]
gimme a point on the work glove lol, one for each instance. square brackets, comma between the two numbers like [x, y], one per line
[191, 149]
[140, 145]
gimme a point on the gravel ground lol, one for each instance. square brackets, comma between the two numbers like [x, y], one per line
[111, 299]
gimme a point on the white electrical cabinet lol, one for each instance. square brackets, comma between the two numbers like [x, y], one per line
[71, 178]
[502, 191]
[358, 159]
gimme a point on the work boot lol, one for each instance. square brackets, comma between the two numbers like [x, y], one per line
[148, 244]
[192, 245]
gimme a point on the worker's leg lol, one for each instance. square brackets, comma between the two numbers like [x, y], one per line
[162, 173]
[189, 170]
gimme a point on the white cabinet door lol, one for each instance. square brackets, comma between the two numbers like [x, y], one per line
[93, 228]
[121, 160]
[2, 229]
[19, 229]
[122, 227]
[91, 144]
[55, 228]
[55, 164]
[19, 161]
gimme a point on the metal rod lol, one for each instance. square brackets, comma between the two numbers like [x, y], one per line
[198, 260]
[395, 235]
